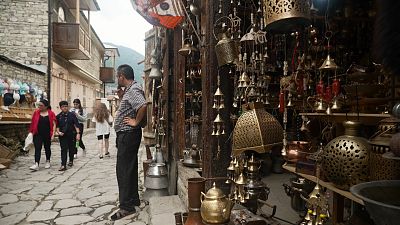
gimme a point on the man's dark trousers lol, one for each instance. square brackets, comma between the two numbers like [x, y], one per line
[128, 143]
[67, 146]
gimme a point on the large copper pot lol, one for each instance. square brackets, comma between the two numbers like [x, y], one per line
[195, 187]
[298, 151]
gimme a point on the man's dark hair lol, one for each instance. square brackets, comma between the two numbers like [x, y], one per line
[127, 71]
[62, 103]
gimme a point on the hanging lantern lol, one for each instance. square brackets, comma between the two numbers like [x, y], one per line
[256, 130]
[283, 15]
[382, 168]
[346, 158]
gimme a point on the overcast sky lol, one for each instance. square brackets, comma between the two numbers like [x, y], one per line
[117, 22]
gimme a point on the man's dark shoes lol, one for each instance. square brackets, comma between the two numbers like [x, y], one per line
[70, 164]
[62, 168]
[121, 214]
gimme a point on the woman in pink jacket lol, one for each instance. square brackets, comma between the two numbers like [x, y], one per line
[42, 127]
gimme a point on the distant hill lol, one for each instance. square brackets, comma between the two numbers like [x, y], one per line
[130, 57]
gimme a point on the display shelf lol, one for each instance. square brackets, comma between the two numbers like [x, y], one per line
[364, 118]
[328, 185]
[15, 122]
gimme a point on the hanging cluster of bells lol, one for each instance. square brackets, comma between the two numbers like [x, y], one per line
[245, 178]
[317, 208]
[218, 123]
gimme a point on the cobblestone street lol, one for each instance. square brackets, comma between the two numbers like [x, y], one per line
[84, 194]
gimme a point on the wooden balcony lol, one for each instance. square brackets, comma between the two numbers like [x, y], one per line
[71, 41]
[107, 74]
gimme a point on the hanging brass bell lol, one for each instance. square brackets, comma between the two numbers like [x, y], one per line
[328, 110]
[336, 104]
[320, 106]
[290, 104]
[226, 50]
[222, 105]
[218, 92]
[155, 72]
[187, 48]
[329, 64]
[218, 119]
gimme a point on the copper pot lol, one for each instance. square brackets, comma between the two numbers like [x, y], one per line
[195, 187]
[298, 150]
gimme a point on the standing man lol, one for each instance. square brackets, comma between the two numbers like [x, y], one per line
[129, 120]
[68, 131]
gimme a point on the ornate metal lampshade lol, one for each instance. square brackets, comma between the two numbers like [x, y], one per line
[286, 14]
[256, 130]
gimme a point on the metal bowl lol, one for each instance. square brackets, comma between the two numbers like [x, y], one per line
[382, 200]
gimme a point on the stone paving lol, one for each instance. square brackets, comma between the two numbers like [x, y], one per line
[87, 193]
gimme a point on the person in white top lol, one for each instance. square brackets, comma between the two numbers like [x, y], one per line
[103, 120]
[82, 117]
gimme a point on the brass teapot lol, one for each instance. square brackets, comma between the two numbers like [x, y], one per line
[215, 207]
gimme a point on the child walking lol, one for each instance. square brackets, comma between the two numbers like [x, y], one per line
[68, 131]
[103, 120]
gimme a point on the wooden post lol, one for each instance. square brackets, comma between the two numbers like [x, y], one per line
[77, 15]
[212, 166]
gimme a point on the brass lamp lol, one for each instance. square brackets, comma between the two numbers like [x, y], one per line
[256, 130]
[285, 14]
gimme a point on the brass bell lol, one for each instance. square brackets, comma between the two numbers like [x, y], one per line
[336, 104]
[187, 48]
[155, 72]
[329, 64]
[303, 127]
[231, 166]
[226, 50]
[222, 105]
[320, 106]
[215, 104]
[218, 119]
[218, 92]
[328, 110]
[241, 180]
[308, 217]
[290, 104]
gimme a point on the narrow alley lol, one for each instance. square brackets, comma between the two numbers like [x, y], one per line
[84, 194]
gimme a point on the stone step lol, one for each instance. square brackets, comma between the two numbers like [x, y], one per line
[162, 209]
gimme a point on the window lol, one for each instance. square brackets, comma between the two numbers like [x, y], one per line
[61, 15]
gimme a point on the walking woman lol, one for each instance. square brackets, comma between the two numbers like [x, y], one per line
[82, 117]
[103, 120]
[42, 127]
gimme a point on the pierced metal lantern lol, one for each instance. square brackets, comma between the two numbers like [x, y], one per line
[382, 168]
[345, 159]
[283, 15]
[256, 130]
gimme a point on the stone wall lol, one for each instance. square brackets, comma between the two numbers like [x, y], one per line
[17, 132]
[16, 71]
[23, 26]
